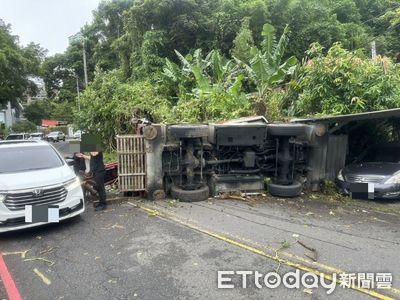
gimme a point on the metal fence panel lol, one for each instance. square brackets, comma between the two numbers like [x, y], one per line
[131, 163]
[336, 156]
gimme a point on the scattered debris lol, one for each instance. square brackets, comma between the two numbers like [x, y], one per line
[284, 244]
[308, 291]
[22, 253]
[49, 262]
[295, 235]
[314, 257]
[48, 250]
[153, 214]
[173, 203]
[118, 226]
[236, 196]
[42, 276]
[331, 213]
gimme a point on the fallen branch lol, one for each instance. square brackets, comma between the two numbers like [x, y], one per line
[22, 253]
[47, 250]
[41, 276]
[313, 250]
[49, 262]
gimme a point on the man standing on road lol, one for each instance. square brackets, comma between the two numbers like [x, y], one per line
[98, 170]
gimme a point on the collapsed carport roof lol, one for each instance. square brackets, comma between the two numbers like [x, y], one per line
[382, 114]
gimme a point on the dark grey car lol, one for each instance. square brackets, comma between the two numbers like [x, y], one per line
[379, 165]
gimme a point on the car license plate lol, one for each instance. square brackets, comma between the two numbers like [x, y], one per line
[364, 191]
[42, 213]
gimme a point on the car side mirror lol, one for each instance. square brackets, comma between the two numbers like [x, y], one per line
[70, 161]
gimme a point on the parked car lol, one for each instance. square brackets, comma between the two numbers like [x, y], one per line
[55, 136]
[380, 165]
[77, 134]
[37, 136]
[18, 136]
[34, 173]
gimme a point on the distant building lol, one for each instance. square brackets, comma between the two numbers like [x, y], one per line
[10, 114]
[53, 123]
[14, 112]
[40, 95]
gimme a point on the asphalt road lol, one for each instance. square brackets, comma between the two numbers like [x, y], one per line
[63, 148]
[128, 253]
[124, 253]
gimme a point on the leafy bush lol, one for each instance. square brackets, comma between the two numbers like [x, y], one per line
[343, 82]
[23, 126]
[108, 105]
[208, 88]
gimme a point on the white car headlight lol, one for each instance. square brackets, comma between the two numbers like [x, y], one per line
[2, 197]
[340, 176]
[72, 184]
[394, 179]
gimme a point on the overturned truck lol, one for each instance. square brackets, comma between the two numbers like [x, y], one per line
[192, 162]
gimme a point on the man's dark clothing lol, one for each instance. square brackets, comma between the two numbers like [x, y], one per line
[96, 163]
[79, 164]
[98, 170]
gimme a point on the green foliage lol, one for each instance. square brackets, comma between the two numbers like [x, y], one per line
[23, 126]
[62, 111]
[37, 111]
[343, 82]
[108, 105]
[266, 69]
[16, 65]
[110, 157]
[232, 63]
[243, 42]
[210, 87]
[152, 54]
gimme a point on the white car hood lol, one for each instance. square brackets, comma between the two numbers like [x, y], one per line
[37, 178]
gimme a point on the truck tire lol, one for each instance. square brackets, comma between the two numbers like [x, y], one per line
[279, 190]
[286, 129]
[188, 131]
[190, 195]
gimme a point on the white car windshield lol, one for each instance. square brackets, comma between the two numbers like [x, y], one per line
[28, 158]
[15, 137]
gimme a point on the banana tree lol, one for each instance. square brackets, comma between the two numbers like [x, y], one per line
[212, 72]
[213, 83]
[267, 68]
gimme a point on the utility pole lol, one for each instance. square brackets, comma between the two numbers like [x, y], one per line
[80, 38]
[373, 49]
[84, 62]
[77, 90]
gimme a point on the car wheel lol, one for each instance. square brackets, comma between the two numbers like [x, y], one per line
[280, 190]
[199, 194]
[188, 131]
[286, 129]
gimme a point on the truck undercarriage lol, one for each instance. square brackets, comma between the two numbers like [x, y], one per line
[194, 161]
